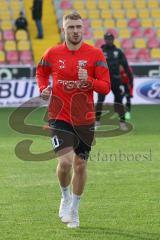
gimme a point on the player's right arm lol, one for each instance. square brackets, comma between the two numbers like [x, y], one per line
[43, 72]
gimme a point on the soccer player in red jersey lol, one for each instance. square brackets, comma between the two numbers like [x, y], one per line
[78, 70]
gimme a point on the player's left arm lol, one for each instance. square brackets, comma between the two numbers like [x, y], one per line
[101, 82]
[124, 63]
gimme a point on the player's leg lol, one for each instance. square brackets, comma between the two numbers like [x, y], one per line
[128, 102]
[98, 109]
[86, 136]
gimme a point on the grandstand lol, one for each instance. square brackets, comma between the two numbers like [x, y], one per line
[135, 24]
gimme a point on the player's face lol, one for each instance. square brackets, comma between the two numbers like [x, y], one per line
[73, 31]
[109, 41]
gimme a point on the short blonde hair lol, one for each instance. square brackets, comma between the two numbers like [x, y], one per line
[74, 15]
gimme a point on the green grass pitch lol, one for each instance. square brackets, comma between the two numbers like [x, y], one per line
[121, 199]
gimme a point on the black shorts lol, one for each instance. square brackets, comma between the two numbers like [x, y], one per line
[64, 135]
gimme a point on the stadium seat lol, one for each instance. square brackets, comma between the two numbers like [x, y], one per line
[90, 41]
[5, 15]
[127, 43]
[96, 23]
[158, 33]
[2, 57]
[155, 13]
[12, 57]
[149, 33]
[131, 54]
[0, 35]
[4, 5]
[25, 57]
[21, 35]
[23, 45]
[117, 43]
[127, 4]
[155, 53]
[98, 33]
[65, 4]
[83, 13]
[143, 13]
[137, 32]
[115, 4]
[131, 13]
[94, 14]
[134, 23]
[1, 45]
[156, 23]
[109, 23]
[153, 43]
[143, 55]
[121, 23]
[10, 45]
[91, 4]
[124, 33]
[140, 43]
[8, 35]
[118, 14]
[101, 4]
[88, 34]
[145, 23]
[6, 25]
[78, 5]
[140, 4]
[153, 4]
[106, 14]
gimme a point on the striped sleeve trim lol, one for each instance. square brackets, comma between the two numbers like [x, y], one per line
[101, 64]
[44, 63]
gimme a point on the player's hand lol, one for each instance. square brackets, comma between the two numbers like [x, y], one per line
[82, 74]
[45, 94]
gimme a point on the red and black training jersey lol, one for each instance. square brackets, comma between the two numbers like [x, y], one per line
[72, 99]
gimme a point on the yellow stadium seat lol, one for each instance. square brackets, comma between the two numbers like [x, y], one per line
[155, 13]
[114, 4]
[83, 13]
[23, 45]
[21, 35]
[6, 24]
[106, 14]
[15, 5]
[124, 33]
[10, 45]
[117, 43]
[140, 43]
[96, 23]
[102, 4]
[156, 23]
[90, 42]
[109, 23]
[153, 4]
[93, 14]
[158, 32]
[91, 4]
[78, 5]
[118, 14]
[4, 5]
[131, 13]
[2, 56]
[140, 4]
[127, 4]
[143, 13]
[5, 15]
[145, 23]
[155, 53]
[121, 23]
[98, 33]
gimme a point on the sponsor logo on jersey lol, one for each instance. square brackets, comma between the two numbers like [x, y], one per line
[61, 64]
[150, 90]
[82, 63]
[115, 53]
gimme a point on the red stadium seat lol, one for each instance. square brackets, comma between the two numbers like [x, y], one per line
[25, 57]
[65, 4]
[134, 23]
[149, 33]
[1, 45]
[143, 55]
[12, 57]
[127, 43]
[131, 54]
[8, 35]
[153, 43]
[138, 32]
